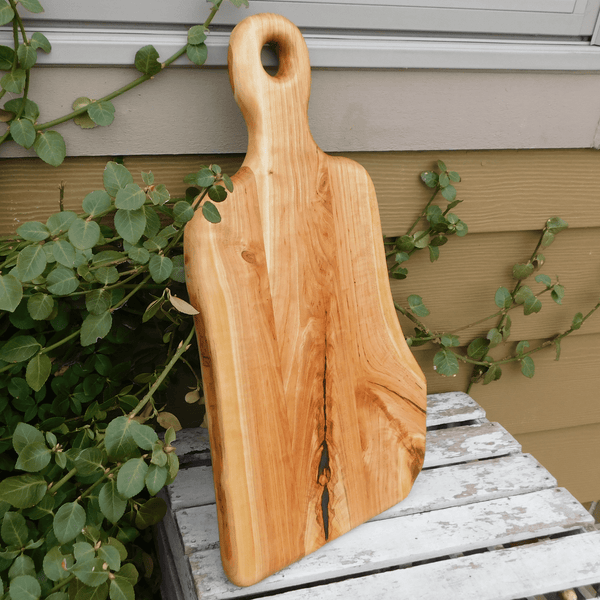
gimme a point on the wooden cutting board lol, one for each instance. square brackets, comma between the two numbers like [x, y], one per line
[316, 406]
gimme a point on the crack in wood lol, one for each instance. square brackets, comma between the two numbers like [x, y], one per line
[324, 472]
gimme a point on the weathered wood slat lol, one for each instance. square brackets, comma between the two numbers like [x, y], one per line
[523, 571]
[452, 407]
[393, 542]
[471, 442]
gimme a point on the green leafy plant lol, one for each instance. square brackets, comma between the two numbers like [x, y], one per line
[94, 327]
[440, 223]
[21, 113]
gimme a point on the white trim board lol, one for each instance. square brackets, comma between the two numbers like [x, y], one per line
[117, 47]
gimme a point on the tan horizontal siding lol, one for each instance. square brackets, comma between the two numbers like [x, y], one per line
[503, 190]
[571, 455]
[459, 288]
[562, 393]
[508, 197]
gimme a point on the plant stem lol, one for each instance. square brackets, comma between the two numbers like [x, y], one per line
[183, 346]
[131, 84]
[62, 584]
[424, 211]
[64, 480]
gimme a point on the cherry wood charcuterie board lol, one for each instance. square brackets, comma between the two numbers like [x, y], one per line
[316, 406]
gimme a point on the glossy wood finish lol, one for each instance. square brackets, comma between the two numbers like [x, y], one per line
[316, 405]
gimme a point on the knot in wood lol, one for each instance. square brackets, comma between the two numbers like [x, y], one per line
[249, 257]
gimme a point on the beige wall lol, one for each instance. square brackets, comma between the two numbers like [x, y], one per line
[507, 195]
[187, 111]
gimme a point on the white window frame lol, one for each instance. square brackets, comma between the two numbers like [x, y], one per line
[421, 34]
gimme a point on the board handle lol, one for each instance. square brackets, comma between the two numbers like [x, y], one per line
[257, 92]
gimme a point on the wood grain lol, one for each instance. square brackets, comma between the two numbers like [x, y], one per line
[316, 405]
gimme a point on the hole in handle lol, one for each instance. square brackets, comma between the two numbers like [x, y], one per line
[269, 57]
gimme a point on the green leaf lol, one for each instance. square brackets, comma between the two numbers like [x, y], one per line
[159, 195]
[50, 147]
[450, 340]
[33, 231]
[23, 491]
[121, 589]
[130, 480]
[111, 556]
[98, 302]
[64, 253]
[84, 234]
[401, 257]
[102, 113]
[138, 255]
[31, 262]
[439, 240]
[547, 239]
[196, 35]
[492, 374]
[577, 321]
[449, 193]
[145, 437]
[11, 292]
[532, 305]
[130, 224]
[522, 294]
[40, 306]
[160, 268]
[444, 180]
[89, 462]
[416, 305]
[13, 81]
[159, 457]
[111, 504]
[32, 6]
[62, 281]
[477, 349]
[23, 132]
[53, 564]
[107, 275]
[528, 367]
[151, 513]
[429, 178]
[405, 243]
[6, 61]
[544, 279]
[454, 176]
[445, 363]
[421, 239]
[60, 222]
[27, 56]
[217, 193]
[96, 203]
[83, 551]
[68, 522]
[95, 327]
[556, 225]
[115, 177]
[227, 181]
[119, 440]
[522, 271]
[131, 197]
[38, 371]
[521, 347]
[461, 229]
[494, 337]
[26, 434]
[146, 60]
[14, 529]
[557, 294]
[91, 572]
[19, 348]
[148, 178]
[210, 212]
[39, 40]
[25, 587]
[503, 299]
[170, 436]
[34, 457]
[6, 13]
[204, 178]
[197, 53]
[173, 466]
[156, 478]
[182, 211]
[434, 253]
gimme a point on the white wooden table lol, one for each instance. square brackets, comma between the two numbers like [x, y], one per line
[484, 521]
